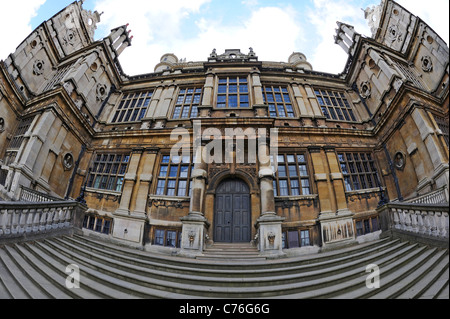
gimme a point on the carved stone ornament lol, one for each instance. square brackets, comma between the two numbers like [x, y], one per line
[38, 67]
[427, 63]
[2, 124]
[394, 33]
[102, 92]
[68, 161]
[191, 236]
[271, 237]
[69, 38]
[365, 89]
[399, 160]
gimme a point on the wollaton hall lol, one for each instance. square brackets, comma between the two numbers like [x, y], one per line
[312, 159]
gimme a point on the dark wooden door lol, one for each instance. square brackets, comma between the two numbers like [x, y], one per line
[232, 217]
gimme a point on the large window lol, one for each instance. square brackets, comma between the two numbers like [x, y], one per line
[279, 101]
[335, 105]
[187, 103]
[174, 176]
[23, 127]
[291, 175]
[443, 125]
[108, 172]
[133, 107]
[359, 171]
[233, 92]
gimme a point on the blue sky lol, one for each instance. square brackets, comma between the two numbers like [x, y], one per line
[192, 28]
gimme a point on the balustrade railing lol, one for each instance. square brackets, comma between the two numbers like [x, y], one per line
[18, 219]
[31, 195]
[436, 197]
[418, 219]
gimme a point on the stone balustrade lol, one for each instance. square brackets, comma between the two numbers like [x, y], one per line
[31, 195]
[436, 197]
[420, 220]
[20, 219]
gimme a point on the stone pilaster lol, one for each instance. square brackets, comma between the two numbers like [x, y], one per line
[195, 224]
[129, 226]
[268, 224]
[336, 221]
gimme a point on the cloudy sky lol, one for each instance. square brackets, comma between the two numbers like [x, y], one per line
[192, 28]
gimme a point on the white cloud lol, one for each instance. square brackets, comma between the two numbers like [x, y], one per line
[157, 30]
[271, 31]
[435, 13]
[328, 56]
[15, 17]
[156, 27]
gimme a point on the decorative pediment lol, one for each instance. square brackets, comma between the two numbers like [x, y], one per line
[232, 55]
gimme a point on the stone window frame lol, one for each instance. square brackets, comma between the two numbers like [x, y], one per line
[443, 124]
[19, 135]
[94, 221]
[279, 106]
[358, 177]
[366, 225]
[165, 232]
[223, 100]
[286, 175]
[335, 105]
[170, 176]
[186, 103]
[108, 171]
[301, 240]
[133, 106]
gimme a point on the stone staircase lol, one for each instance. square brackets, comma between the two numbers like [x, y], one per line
[37, 270]
[236, 252]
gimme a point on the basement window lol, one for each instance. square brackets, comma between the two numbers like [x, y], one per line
[167, 238]
[98, 224]
[367, 225]
[295, 238]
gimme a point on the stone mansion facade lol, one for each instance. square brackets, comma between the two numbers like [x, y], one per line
[272, 153]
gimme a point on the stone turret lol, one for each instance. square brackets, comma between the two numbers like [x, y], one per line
[167, 61]
[299, 61]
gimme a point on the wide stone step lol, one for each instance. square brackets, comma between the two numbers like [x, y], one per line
[440, 288]
[37, 270]
[271, 270]
[428, 279]
[40, 281]
[206, 289]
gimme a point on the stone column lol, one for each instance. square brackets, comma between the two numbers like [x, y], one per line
[261, 109]
[268, 224]
[195, 225]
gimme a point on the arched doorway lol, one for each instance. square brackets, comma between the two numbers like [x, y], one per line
[232, 215]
